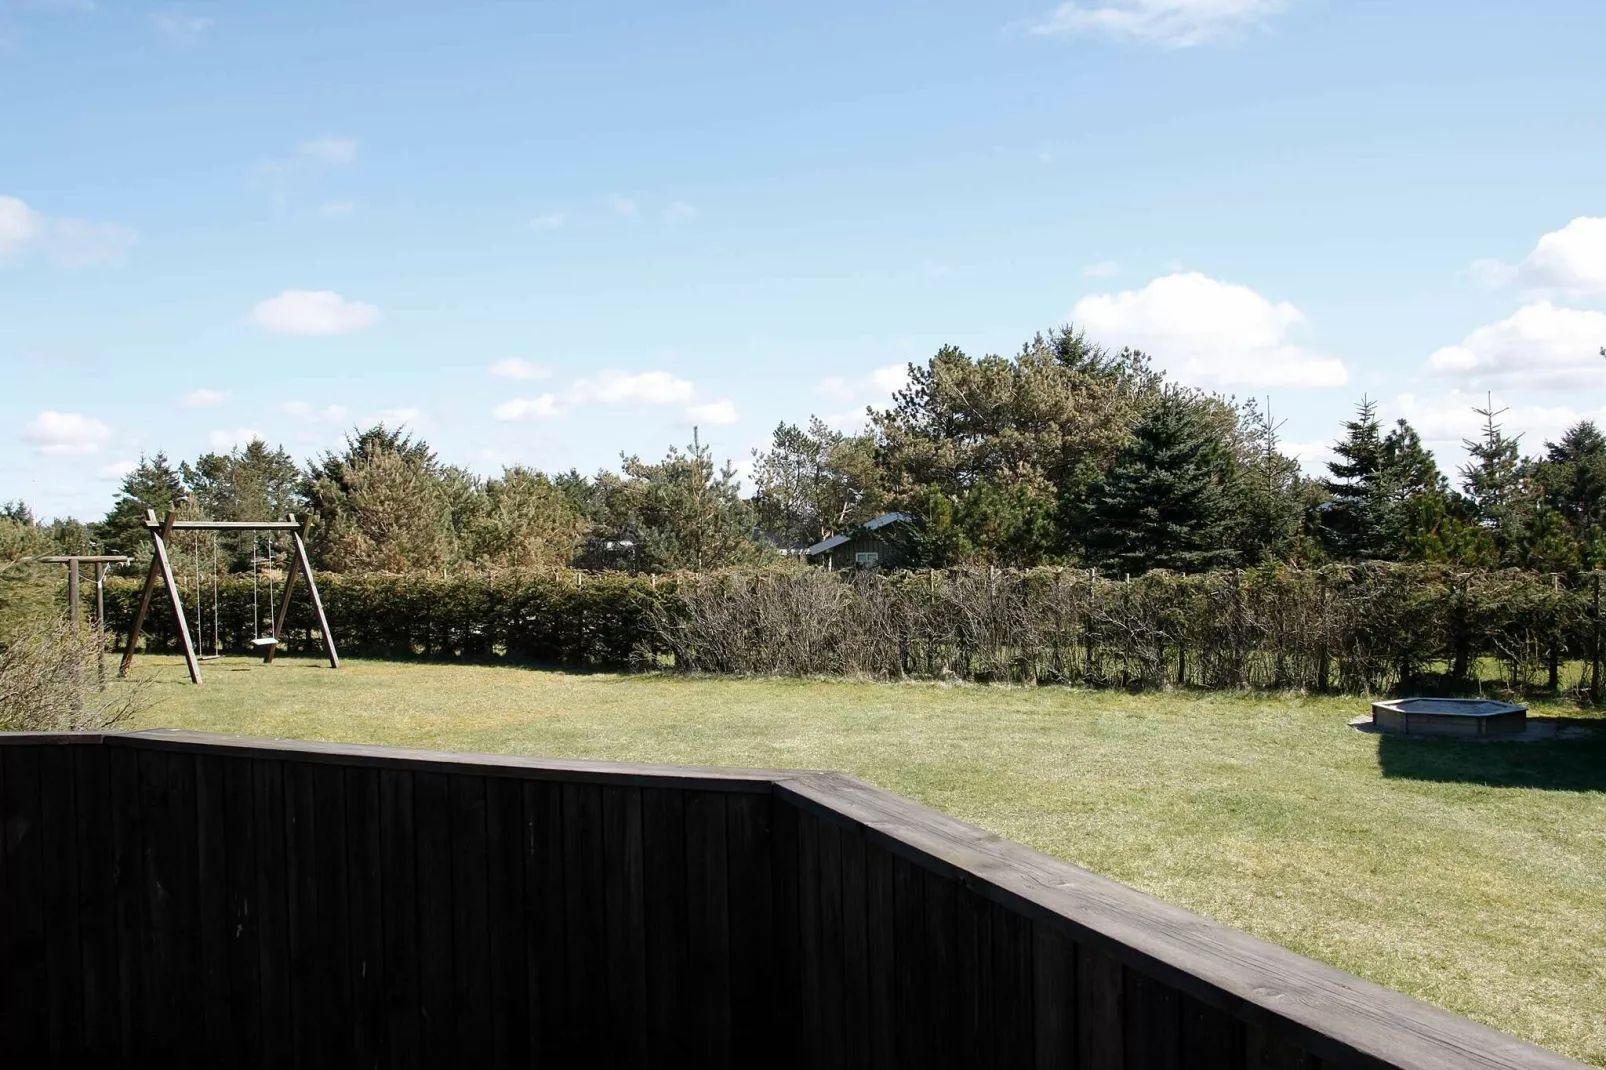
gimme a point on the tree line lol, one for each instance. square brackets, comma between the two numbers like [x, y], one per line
[1065, 453]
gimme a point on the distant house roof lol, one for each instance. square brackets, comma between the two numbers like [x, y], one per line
[827, 545]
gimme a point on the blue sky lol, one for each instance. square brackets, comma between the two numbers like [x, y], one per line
[550, 232]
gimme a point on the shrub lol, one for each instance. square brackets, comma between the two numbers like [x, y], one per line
[49, 682]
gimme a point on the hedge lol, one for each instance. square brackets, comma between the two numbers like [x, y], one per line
[1341, 628]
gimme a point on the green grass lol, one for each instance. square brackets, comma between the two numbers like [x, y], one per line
[1469, 875]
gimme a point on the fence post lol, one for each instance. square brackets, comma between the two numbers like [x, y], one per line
[1594, 645]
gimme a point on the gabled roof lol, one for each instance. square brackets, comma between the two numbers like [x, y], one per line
[827, 545]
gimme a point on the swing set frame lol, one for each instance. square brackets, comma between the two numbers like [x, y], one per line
[161, 566]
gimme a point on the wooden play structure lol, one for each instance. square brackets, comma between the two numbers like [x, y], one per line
[161, 532]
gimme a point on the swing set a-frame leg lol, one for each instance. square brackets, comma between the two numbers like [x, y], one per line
[300, 565]
[160, 565]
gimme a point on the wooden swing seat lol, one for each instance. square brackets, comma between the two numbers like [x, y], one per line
[266, 640]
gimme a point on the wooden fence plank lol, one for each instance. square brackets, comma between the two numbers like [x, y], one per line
[856, 1025]
[811, 1014]
[510, 981]
[273, 916]
[332, 920]
[366, 918]
[881, 913]
[398, 850]
[127, 850]
[1100, 1032]
[432, 832]
[63, 975]
[242, 932]
[1053, 998]
[669, 980]
[788, 1020]
[708, 928]
[1153, 1015]
[309, 980]
[909, 931]
[212, 919]
[471, 951]
[626, 907]
[546, 925]
[830, 938]
[26, 1017]
[97, 904]
[752, 926]
[1211, 1038]
[1014, 1037]
[585, 981]
[942, 966]
[974, 951]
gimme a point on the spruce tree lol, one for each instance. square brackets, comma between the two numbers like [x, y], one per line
[1163, 503]
[153, 484]
[1492, 476]
[1349, 520]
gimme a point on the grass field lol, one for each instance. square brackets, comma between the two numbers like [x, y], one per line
[1469, 875]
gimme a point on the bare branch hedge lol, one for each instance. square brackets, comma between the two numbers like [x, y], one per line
[1356, 629]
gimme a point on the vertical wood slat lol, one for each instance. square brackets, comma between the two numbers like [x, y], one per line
[546, 924]
[97, 904]
[856, 1020]
[974, 940]
[625, 904]
[398, 880]
[909, 933]
[942, 991]
[584, 982]
[1053, 998]
[63, 975]
[242, 932]
[366, 918]
[26, 1022]
[505, 876]
[332, 924]
[212, 867]
[752, 926]
[788, 1021]
[1014, 1039]
[471, 953]
[669, 980]
[882, 961]
[1099, 1021]
[830, 938]
[432, 838]
[273, 910]
[708, 924]
[810, 968]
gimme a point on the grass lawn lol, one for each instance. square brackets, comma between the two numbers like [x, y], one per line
[1469, 875]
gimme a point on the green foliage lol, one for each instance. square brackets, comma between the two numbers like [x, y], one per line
[812, 483]
[525, 522]
[384, 506]
[154, 484]
[1164, 503]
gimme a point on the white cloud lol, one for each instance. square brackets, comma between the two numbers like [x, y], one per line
[336, 209]
[623, 206]
[1209, 333]
[1538, 346]
[713, 413]
[66, 242]
[20, 225]
[202, 398]
[621, 388]
[235, 439]
[1570, 261]
[679, 212]
[180, 27]
[524, 408]
[1102, 270]
[861, 392]
[514, 368]
[116, 469]
[1169, 23]
[329, 414]
[329, 150]
[54, 432]
[313, 312]
[398, 417]
[549, 221]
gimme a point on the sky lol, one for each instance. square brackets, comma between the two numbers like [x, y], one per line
[551, 233]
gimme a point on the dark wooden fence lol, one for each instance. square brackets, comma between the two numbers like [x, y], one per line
[179, 899]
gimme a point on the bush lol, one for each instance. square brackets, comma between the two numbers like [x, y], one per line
[49, 682]
[1359, 629]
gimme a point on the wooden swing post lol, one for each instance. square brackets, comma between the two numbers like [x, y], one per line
[162, 530]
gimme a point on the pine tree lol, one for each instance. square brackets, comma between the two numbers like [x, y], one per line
[1492, 476]
[1349, 520]
[1163, 503]
[153, 484]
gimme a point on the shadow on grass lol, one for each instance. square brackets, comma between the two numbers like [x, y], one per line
[1567, 764]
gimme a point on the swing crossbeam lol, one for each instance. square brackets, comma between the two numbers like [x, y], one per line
[161, 568]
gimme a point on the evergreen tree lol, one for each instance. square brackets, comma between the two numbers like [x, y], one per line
[153, 484]
[384, 504]
[526, 522]
[813, 482]
[1492, 476]
[1163, 503]
[1349, 520]
[1268, 494]
[251, 482]
[1571, 480]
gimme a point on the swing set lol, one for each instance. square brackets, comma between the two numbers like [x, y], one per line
[161, 532]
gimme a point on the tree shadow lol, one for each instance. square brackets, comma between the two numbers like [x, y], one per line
[1574, 762]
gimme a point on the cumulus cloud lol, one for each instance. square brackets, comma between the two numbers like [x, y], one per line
[202, 398]
[59, 433]
[399, 416]
[857, 393]
[116, 469]
[65, 242]
[313, 312]
[514, 368]
[329, 150]
[1210, 333]
[1168, 23]
[1569, 261]
[644, 388]
[1538, 346]
[546, 405]
[713, 413]
[549, 221]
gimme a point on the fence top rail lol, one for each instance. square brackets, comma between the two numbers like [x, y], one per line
[707, 778]
[1327, 1012]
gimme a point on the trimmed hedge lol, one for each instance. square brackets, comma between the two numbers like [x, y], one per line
[1354, 629]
